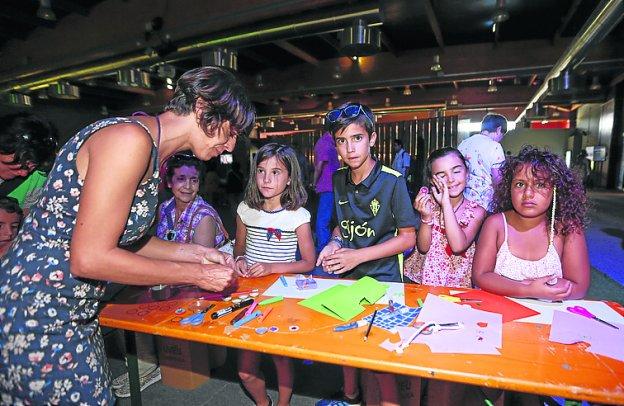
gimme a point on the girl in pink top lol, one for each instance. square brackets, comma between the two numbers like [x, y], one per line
[535, 245]
[449, 224]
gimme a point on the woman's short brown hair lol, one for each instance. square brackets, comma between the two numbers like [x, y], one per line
[219, 94]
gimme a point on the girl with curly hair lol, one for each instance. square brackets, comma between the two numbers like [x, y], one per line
[534, 246]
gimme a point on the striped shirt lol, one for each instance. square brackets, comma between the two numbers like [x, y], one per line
[271, 237]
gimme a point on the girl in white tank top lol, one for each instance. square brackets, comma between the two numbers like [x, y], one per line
[545, 205]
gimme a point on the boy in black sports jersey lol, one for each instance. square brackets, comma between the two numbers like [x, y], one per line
[376, 221]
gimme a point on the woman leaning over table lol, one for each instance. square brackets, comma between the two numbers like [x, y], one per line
[98, 202]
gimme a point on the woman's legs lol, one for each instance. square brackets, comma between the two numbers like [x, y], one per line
[387, 388]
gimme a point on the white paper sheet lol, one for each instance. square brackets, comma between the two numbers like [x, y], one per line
[547, 309]
[395, 291]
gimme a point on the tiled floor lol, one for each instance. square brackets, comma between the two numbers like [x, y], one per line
[605, 239]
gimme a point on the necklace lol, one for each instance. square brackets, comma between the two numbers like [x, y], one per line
[459, 205]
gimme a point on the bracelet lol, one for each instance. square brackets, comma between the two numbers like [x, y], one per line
[429, 223]
[240, 257]
[337, 239]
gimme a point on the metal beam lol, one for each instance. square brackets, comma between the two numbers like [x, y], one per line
[455, 85]
[476, 62]
[433, 22]
[566, 19]
[23, 18]
[71, 7]
[331, 41]
[603, 19]
[246, 52]
[298, 52]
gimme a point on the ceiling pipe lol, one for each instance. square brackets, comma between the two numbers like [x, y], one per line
[376, 110]
[323, 23]
[603, 19]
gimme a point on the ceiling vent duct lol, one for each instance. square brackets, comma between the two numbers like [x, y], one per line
[222, 57]
[133, 78]
[17, 99]
[64, 90]
[360, 40]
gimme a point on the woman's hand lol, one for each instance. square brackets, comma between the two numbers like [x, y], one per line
[259, 269]
[424, 205]
[216, 277]
[341, 261]
[214, 256]
[540, 289]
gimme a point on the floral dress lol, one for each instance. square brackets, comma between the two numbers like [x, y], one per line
[51, 348]
[439, 266]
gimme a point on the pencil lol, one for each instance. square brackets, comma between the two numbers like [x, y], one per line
[266, 314]
[370, 325]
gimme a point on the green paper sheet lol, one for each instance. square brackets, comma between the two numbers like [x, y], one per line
[345, 302]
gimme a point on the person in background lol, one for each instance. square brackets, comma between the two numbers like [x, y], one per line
[402, 159]
[27, 150]
[484, 154]
[581, 166]
[10, 218]
[304, 163]
[185, 218]
[325, 164]
[535, 245]
[87, 230]
[373, 199]
[271, 224]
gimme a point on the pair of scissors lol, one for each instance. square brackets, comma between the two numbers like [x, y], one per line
[581, 311]
[196, 319]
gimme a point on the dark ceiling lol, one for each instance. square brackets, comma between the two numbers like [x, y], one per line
[301, 64]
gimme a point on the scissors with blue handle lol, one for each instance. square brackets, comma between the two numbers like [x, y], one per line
[581, 311]
[196, 319]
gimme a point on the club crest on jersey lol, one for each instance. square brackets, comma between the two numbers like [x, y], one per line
[374, 206]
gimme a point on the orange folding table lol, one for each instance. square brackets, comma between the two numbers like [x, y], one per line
[528, 361]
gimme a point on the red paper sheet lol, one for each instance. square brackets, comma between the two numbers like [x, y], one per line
[497, 304]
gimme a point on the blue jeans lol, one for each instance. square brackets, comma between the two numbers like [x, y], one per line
[323, 218]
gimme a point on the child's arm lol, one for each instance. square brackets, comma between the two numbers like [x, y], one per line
[305, 264]
[460, 238]
[575, 264]
[483, 274]
[423, 204]
[345, 259]
[239, 246]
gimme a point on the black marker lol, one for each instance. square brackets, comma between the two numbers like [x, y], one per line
[228, 310]
[238, 317]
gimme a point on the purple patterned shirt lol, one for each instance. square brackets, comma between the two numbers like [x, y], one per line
[183, 229]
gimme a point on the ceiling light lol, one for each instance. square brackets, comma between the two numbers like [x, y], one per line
[337, 73]
[492, 87]
[501, 14]
[494, 27]
[436, 67]
[407, 91]
[45, 11]
[359, 39]
[316, 120]
[355, 58]
[133, 78]
[259, 81]
[595, 84]
[453, 101]
[296, 127]
[269, 124]
[17, 99]
[222, 57]
[64, 90]
[387, 102]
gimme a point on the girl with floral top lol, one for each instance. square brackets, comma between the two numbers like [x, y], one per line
[449, 224]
